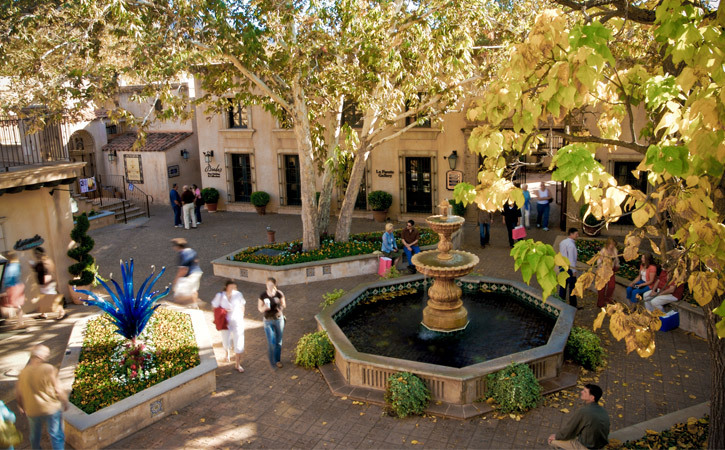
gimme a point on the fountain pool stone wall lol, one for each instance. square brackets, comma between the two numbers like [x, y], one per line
[456, 386]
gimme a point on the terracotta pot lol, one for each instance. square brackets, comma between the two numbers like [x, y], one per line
[270, 236]
[77, 297]
[211, 207]
[261, 210]
[380, 216]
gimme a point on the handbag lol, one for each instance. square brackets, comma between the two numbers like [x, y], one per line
[9, 435]
[220, 318]
[199, 201]
[518, 232]
[384, 266]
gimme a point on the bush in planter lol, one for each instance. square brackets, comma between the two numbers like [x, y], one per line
[314, 350]
[584, 348]
[84, 271]
[380, 200]
[406, 394]
[210, 195]
[514, 389]
[259, 198]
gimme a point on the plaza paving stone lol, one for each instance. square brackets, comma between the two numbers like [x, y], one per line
[293, 408]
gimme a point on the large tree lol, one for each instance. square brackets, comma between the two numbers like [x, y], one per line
[644, 76]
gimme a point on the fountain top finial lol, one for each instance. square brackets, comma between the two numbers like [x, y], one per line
[444, 206]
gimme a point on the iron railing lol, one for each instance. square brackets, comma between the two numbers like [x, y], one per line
[116, 186]
[20, 147]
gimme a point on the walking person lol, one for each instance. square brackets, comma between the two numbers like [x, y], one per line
[567, 248]
[45, 273]
[232, 302]
[410, 237]
[608, 252]
[13, 297]
[511, 218]
[272, 304]
[175, 200]
[188, 276]
[187, 200]
[588, 427]
[527, 206]
[198, 202]
[543, 203]
[10, 433]
[41, 398]
[485, 219]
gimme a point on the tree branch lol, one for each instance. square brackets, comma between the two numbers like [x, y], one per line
[642, 149]
[622, 8]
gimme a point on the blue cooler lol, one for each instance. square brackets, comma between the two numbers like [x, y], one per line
[670, 321]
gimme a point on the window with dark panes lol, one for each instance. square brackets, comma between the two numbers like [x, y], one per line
[237, 115]
[293, 188]
[416, 118]
[242, 177]
[351, 115]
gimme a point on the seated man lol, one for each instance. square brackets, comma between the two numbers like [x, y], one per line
[410, 236]
[665, 292]
[588, 427]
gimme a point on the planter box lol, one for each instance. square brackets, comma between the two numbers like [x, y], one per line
[115, 422]
[692, 318]
[309, 272]
[100, 220]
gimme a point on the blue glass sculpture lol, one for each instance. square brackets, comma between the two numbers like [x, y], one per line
[129, 313]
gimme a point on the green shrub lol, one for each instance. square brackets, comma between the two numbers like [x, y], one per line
[210, 195]
[330, 297]
[406, 394]
[458, 208]
[392, 273]
[84, 271]
[379, 200]
[584, 348]
[514, 389]
[259, 198]
[314, 350]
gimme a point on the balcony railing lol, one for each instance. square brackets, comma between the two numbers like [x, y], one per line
[19, 147]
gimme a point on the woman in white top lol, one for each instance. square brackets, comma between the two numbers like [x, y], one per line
[232, 338]
[542, 207]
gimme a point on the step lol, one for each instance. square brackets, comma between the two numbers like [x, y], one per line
[131, 213]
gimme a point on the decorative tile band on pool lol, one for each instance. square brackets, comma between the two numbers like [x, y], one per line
[418, 285]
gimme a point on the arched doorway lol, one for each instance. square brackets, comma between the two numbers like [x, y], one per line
[81, 148]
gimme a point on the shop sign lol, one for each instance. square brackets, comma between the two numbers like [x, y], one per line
[213, 172]
[384, 173]
[173, 171]
[453, 177]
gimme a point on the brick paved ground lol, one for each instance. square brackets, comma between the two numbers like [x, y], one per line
[293, 408]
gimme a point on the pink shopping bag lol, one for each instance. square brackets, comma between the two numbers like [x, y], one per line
[385, 264]
[518, 232]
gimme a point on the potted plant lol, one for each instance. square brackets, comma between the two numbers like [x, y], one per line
[379, 202]
[210, 197]
[84, 271]
[259, 200]
[591, 226]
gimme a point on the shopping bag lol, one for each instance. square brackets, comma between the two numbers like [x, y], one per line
[220, 318]
[384, 266]
[518, 232]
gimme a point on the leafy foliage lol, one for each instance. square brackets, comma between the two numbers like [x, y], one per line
[104, 374]
[406, 394]
[637, 328]
[259, 198]
[329, 298]
[314, 350]
[459, 209]
[393, 272]
[210, 195]
[514, 389]
[690, 434]
[359, 244]
[82, 271]
[129, 313]
[584, 348]
[380, 200]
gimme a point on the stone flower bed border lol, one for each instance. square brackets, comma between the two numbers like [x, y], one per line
[115, 422]
[308, 272]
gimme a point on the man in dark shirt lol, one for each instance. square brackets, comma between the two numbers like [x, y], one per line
[588, 427]
[175, 200]
[410, 237]
[187, 209]
[511, 217]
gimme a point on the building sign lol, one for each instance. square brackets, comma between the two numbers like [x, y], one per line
[173, 171]
[213, 172]
[453, 177]
[87, 184]
[134, 170]
[384, 173]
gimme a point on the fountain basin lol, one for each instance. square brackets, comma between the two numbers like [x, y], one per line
[461, 263]
[455, 385]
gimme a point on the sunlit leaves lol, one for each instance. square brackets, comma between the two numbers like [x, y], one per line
[536, 258]
[703, 285]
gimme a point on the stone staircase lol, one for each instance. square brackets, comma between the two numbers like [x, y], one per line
[115, 205]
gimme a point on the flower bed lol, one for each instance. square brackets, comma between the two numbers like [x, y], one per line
[102, 380]
[588, 248]
[359, 244]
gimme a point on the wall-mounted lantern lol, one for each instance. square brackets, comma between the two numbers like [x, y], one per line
[208, 156]
[185, 154]
[112, 156]
[452, 159]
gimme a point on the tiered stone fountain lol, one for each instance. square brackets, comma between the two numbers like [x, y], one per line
[445, 312]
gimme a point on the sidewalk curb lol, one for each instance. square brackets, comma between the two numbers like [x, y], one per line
[638, 430]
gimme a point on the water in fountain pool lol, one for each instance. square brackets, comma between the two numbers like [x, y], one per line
[499, 325]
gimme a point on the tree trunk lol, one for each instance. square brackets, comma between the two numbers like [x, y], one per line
[716, 345]
[342, 231]
[328, 177]
[310, 234]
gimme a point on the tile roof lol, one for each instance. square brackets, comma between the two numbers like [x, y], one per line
[155, 142]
